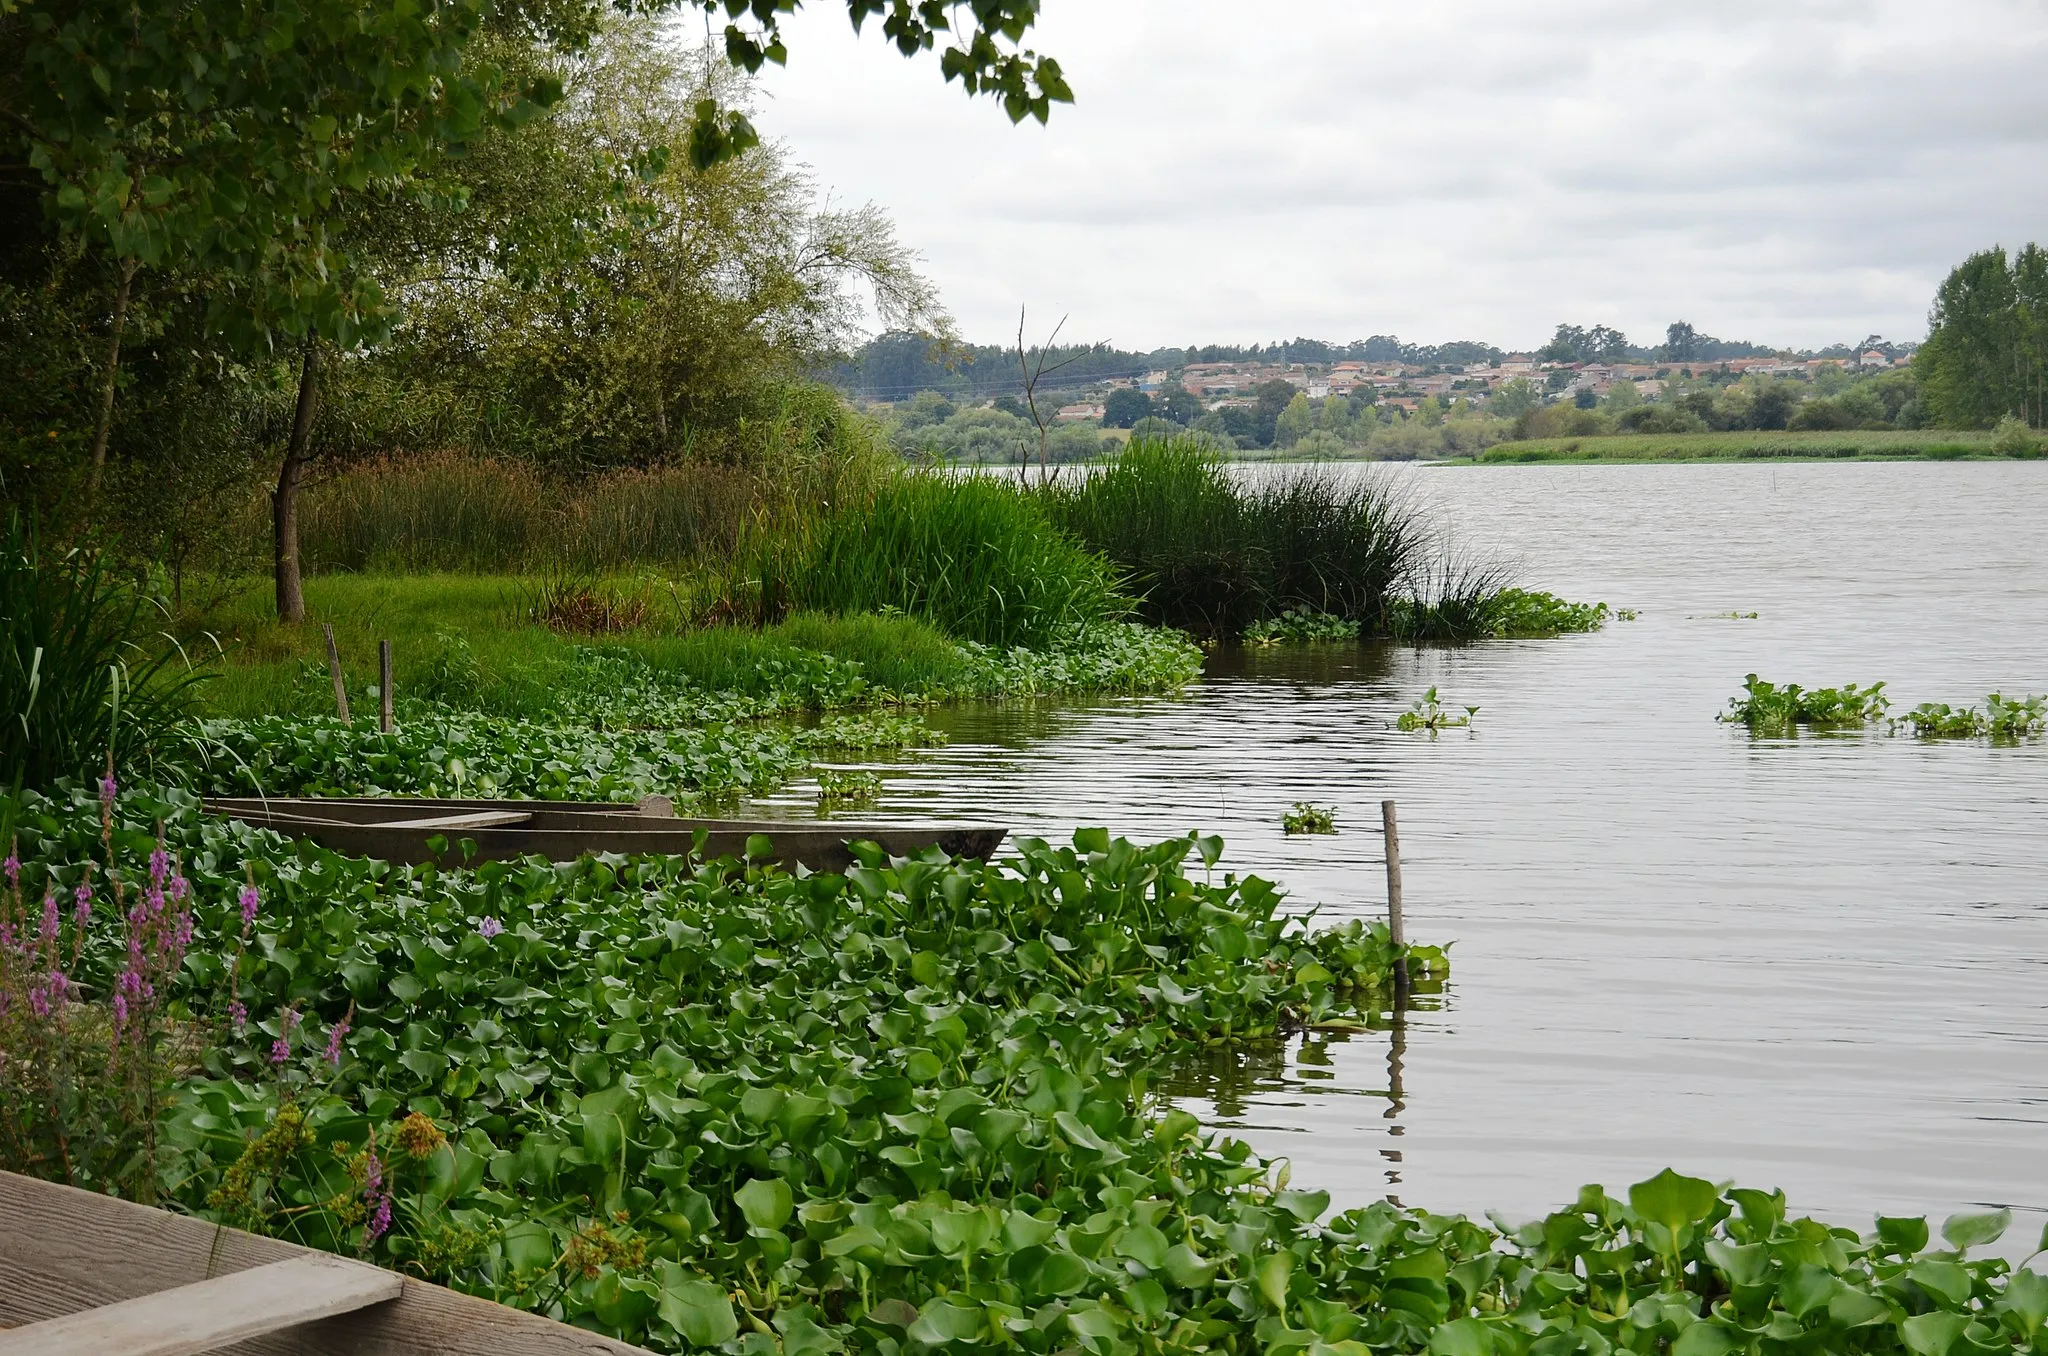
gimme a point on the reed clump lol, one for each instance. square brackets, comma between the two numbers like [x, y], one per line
[1213, 554]
[975, 556]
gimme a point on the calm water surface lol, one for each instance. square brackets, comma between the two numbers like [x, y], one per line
[1820, 963]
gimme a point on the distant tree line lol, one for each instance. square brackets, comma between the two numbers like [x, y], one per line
[1682, 344]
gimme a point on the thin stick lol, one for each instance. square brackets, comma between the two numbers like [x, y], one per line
[384, 686]
[1397, 931]
[334, 672]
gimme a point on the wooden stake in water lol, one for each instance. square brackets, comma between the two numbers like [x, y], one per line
[1397, 931]
[334, 672]
[384, 686]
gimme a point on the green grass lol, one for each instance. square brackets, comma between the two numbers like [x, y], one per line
[467, 638]
[1883, 444]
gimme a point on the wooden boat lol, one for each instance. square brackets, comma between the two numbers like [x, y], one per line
[85, 1275]
[406, 830]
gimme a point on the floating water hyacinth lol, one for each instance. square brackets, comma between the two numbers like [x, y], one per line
[489, 927]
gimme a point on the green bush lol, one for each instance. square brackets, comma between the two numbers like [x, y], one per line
[79, 675]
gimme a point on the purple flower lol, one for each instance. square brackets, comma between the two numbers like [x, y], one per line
[13, 868]
[49, 933]
[120, 1011]
[39, 1000]
[159, 865]
[108, 787]
[281, 1048]
[237, 1014]
[489, 927]
[250, 899]
[380, 1221]
[82, 902]
[336, 1034]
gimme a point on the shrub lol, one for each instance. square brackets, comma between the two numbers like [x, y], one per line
[2012, 438]
[79, 678]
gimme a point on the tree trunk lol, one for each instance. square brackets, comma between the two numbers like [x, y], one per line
[105, 423]
[284, 504]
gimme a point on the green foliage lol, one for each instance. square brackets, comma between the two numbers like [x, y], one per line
[1302, 817]
[81, 676]
[671, 1100]
[1527, 612]
[1768, 708]
[1986, 355]
[1212, 554]
[1300, 626]
[2012, 438]
[974, 555]
[845, 788]
[664, 1098]
[1429, 713]
[2001, 718]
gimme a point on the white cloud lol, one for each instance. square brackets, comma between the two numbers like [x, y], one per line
[1784, 172]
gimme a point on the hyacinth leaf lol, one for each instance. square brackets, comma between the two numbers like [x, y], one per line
[1969, 1231]
[766, 1202]
[1672, 1200]
[697, 1309]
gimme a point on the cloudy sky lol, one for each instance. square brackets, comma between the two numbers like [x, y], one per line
[1787, 172]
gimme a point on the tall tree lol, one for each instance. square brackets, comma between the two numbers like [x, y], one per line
[1986, 354]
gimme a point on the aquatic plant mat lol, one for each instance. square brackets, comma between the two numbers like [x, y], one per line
[906, 1107]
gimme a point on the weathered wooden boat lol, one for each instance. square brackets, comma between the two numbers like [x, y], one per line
[416, 830]
[86, 1275]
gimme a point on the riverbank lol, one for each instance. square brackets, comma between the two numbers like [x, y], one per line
[1758, 445]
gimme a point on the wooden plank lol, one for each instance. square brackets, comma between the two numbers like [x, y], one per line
[209, 1315]
[474, 819]
[63, 1250]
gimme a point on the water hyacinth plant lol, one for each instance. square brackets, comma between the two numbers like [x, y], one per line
[2001, 718]
[845, 788]
[1299, 626]
[1429, 713]
[1769, 708]
[700, 1105]
[1302, 817]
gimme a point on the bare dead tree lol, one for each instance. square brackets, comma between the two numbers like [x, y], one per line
[1033, 374]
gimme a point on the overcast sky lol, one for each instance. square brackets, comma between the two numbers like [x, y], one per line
[1790, 173]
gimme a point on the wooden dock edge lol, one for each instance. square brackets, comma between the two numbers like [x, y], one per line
[63, 1251]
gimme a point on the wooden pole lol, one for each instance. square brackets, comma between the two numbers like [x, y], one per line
[384, 686]
[334, 672]
[1397, 931]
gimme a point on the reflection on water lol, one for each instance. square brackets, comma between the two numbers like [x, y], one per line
[1811, 963]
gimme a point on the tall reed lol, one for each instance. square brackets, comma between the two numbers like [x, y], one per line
[973, 555]
[82, 674]
[1212, 553]
[455, 513]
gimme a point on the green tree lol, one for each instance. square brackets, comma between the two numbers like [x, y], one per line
[1986, 354]
[1293, 421]
[1623, 395]
[1124, 407]
[1514, 397]
[1176, 404]
[227, 143]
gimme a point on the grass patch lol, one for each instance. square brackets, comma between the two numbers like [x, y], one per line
[469, 639]
[1753, 445]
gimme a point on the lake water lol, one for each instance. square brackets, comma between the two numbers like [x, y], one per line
[1820, 963]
